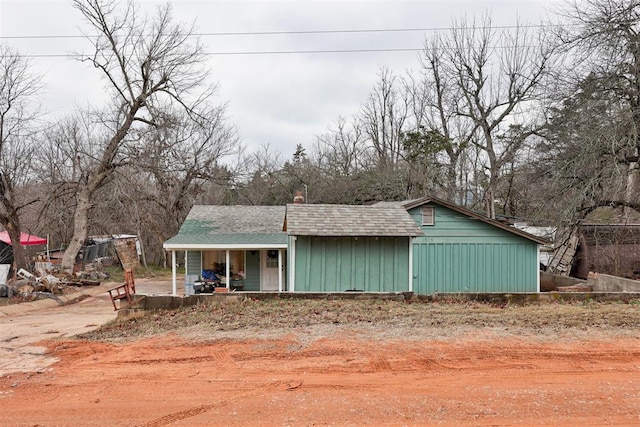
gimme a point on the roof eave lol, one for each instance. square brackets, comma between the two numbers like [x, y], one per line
[213, 246]
[472, 214]
[354, 235]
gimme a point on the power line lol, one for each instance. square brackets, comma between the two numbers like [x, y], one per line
[269, 52]
[344, 31]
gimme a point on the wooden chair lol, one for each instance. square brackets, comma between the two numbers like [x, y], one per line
[123, 291]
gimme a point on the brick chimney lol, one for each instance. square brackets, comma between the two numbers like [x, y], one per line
[298, 199]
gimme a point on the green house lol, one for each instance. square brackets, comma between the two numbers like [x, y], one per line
[424, 246]
[339, 248]
[462, 251]
[243, 245]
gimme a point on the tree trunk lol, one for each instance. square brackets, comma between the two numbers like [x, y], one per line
[490, 203]
[80, 227]
[13, 228]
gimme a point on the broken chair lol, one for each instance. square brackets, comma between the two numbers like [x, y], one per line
[123, 291]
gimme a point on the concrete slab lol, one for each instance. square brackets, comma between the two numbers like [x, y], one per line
[606, 283]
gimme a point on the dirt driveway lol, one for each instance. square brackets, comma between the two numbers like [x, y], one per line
[24, 325]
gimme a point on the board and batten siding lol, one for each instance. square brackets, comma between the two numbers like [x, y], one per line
[339, 264]
[463, 254]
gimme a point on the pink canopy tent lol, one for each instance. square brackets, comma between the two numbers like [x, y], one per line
[25, 239]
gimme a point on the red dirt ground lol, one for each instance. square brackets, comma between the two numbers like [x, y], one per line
[343, 380]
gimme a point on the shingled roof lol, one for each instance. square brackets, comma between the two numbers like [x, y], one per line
[349, 220]
[220, 226]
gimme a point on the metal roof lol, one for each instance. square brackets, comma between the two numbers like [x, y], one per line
[213, 226]
[349, 220]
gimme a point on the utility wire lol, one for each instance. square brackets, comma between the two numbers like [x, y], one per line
[346, 31]
[270, 52]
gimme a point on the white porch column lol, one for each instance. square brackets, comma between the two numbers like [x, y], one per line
[292, 263]
[537, 269]
[228, 269]
[280, 270]
[174, 272]
[410, 264]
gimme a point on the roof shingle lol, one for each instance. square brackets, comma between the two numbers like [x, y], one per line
[349, 220]
[215, 225]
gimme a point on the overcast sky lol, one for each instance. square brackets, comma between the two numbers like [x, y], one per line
[276, 99]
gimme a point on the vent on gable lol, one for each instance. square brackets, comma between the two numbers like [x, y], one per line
[428, 216]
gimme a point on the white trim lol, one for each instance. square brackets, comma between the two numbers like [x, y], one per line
[537, 269]
[201, 247]
[291, 254]
[227, 267]
[174, 272]
[410, 264]
[279, 270]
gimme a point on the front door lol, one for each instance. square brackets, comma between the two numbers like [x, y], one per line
[269, 270]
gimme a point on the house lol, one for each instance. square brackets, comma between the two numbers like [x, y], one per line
[462, 251]
[242, 243]
[338, 248]
[423, 245]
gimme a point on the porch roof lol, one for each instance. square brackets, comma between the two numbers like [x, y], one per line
[230, 227]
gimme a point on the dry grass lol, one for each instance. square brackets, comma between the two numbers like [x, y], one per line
[390, 318]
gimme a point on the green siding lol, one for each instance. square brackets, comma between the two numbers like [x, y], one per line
[338, 264]
[463, 254]
[194, 263]
[474, 267]
[252, 275]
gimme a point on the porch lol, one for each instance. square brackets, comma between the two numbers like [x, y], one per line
[251, 269]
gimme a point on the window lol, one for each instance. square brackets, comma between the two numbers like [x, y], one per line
[272, 259]
[428, 217]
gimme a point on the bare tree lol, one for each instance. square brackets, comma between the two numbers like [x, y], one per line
[176, 165]
[341, 150]
[148, 63]
[439, 127]
[18, 88]
[383, 117]
[494, 77]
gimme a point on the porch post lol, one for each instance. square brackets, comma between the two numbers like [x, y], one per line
[279, 270]
[228, 272]
[537, 268]
[174, 270]
[291, 254]
[410, 264]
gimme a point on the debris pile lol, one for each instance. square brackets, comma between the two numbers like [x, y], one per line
[53, 282]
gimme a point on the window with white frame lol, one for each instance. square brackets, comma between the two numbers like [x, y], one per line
[272, 259]
[428, 216]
